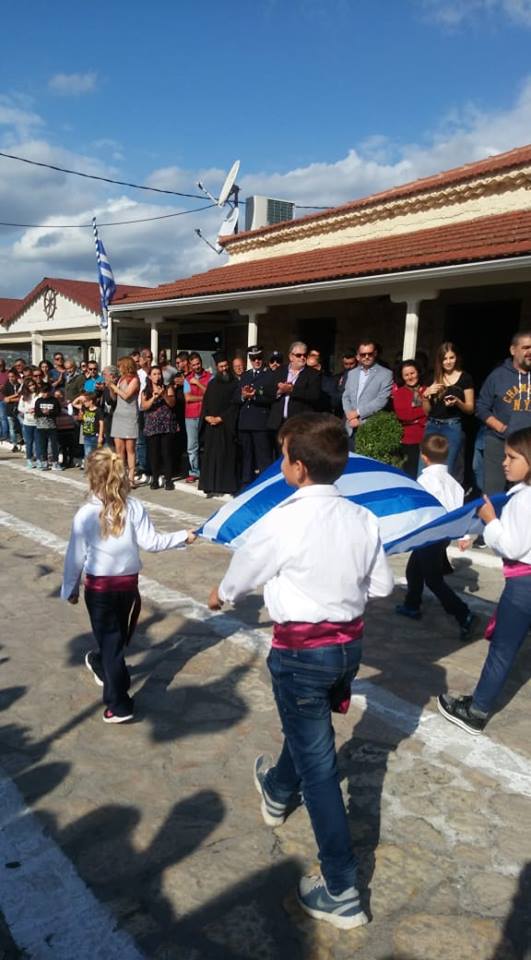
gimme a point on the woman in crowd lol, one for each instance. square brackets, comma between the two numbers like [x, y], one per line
[447, 401]
[11, 400]
[26, 411]
[157, 401]
[45, 370]
[407, 393]
[124, 428]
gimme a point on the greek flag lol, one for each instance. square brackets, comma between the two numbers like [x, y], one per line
[408, 515]
[105, 278]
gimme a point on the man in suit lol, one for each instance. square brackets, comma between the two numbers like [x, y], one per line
[367, 389]
[254, 393]
[296, 387]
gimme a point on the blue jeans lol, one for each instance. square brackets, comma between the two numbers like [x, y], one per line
[89, 444]
[453, 431]
[28, 432]
[513, 620]
[4, 423]
[142, 454]
[192, 444]
[304, 684]
[14, 428]
[42, 436]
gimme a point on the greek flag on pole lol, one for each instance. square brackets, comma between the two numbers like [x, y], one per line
[105, 278]
[408, 516]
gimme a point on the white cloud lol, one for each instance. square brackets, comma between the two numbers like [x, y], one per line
[73, 84]
[451, 13]
[163, 250]
[16, 117]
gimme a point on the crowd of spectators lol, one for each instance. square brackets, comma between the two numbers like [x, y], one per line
[217, 428]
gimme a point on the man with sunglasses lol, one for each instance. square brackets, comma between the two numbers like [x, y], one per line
[367, 389]
[94, 381]
[58, 373]
[295, 387]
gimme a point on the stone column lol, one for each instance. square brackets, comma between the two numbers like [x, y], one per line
[154, 322]
[36, 348]
[252, 314]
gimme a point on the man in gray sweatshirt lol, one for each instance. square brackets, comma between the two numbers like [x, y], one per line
[504, 405]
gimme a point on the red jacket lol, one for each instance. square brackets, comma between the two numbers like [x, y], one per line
[412, 418]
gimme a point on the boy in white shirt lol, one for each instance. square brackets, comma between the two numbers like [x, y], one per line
[320, 558]
[427, 565]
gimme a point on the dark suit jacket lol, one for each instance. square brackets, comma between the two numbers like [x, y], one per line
[304, 397]
[254, 413]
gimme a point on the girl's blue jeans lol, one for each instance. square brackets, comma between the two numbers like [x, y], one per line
[513, 620]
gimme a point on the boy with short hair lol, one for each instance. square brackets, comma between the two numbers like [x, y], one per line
[427, 565]
[320, 558]
[47, 409]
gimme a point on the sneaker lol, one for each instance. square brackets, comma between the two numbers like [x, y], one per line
[273, 812]
[30, 465]
[110, 717]
[41, 465]
[93, 663]
[458, 710]
[14, 448]
[407, 611]
[191, 479]
[57, 466]
[141, 478]
[342, 911]
[466, 628]
[479, 543]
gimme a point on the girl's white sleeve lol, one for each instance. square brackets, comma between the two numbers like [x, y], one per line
[76, 554]
[510, 535]
[148, 538]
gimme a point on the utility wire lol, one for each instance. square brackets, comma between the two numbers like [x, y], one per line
[112, 223]
[123, 183]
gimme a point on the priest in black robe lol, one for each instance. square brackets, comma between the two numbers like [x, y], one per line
[218, 432]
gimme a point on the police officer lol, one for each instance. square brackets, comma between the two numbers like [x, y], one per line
[255, 402]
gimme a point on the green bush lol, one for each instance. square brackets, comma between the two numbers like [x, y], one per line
[379, 437]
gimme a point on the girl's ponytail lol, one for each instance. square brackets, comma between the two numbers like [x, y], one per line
[109, 483]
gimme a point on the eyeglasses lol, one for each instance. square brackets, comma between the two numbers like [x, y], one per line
[370, 353]
[299, 355]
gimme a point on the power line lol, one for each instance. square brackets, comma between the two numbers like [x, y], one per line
[123, 183]
[112, 223]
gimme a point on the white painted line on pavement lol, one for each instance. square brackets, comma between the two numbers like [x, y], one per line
[510, 768]
[506, 765]
[51, 913]
[58, 477]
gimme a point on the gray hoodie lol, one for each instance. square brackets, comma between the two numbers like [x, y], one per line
[506, 395]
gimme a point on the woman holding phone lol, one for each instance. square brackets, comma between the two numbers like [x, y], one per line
[447, 401]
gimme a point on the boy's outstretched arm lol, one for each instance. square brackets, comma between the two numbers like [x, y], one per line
[253, 564]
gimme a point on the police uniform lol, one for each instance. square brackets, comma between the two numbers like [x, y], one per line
[255, 439]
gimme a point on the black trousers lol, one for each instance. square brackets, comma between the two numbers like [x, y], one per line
[257, 453]
[112, 616]
[160, 448]
[426, 566]
[494, 452]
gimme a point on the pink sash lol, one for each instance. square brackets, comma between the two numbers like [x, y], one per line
[297, 635]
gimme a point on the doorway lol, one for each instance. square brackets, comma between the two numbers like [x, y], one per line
[319, 333]
[482, 331]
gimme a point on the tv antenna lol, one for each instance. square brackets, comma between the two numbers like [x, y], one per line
[228, 196]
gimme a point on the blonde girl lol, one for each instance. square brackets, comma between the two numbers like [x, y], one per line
[124, 427]
[107, 532]
[509, 536]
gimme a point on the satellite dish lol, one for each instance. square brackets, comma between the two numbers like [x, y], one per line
[230, 223]
[229, 185]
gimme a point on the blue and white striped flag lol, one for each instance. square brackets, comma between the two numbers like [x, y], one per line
[105, 278]
[408, 515]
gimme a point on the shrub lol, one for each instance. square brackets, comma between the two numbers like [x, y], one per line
[379, 437]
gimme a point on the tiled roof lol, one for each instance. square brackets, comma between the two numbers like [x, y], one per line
[8, 305]
[86, 293]
[519, 157]
[485, 238]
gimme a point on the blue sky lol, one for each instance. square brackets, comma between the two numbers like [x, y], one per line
[321, 100]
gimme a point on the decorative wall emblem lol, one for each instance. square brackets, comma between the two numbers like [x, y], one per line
[50, 303]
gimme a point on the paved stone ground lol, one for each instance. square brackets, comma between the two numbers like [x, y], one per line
[160, 817]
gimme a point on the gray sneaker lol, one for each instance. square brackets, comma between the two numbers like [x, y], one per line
[273, 812]
[342, 911]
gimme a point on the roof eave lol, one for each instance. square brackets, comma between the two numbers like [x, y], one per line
[326, 286]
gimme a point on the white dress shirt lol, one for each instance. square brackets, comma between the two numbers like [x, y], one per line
[510, 536]
[319, 556]
[111, 556]
[437, 481]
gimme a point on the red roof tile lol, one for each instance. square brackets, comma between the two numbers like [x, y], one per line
[86, 293]
[8, 305]
[519, 157]
[485, 238]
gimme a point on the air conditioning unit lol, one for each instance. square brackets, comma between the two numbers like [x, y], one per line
[264, 211]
